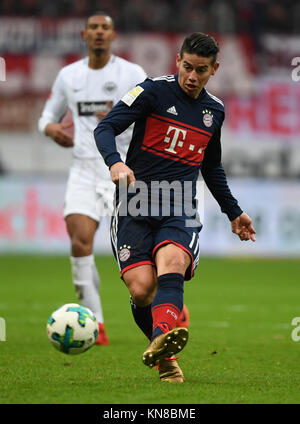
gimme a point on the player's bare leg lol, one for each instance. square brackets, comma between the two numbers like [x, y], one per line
[171, 258]
[82, 229]
[141, 281]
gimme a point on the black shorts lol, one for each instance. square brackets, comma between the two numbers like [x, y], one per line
[135, 240]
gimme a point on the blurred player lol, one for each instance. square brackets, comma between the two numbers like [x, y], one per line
[177, 132]
[89, 88]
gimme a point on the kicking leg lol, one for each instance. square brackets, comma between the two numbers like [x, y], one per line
[171, 262]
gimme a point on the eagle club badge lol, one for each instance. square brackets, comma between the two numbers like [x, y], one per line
[110, 86]
[124, 253]
[207, 118]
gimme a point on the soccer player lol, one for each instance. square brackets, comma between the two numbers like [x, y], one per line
[177, 132]
[89, 88]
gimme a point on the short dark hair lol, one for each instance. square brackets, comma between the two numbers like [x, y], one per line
[99, 13]
[200, 44]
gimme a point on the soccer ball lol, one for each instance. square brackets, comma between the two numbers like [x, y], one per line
[72, 328]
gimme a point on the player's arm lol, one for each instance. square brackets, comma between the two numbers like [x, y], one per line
[54, 110]
[133, 106]
[214, 176]
[117, 121]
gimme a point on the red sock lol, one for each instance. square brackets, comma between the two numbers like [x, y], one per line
[164, 318]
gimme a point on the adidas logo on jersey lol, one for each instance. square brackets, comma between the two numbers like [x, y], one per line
[172, 110]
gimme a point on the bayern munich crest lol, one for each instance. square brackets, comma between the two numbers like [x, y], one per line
[207, 118]
[124, 253]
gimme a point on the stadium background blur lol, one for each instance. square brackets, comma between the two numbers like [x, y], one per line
[257, 80]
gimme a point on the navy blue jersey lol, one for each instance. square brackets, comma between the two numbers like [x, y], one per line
[174, 136]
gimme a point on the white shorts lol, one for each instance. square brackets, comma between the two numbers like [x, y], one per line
[88, 193]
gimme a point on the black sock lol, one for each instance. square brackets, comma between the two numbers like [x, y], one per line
[143, 318]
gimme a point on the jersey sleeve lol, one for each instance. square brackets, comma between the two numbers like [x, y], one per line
[214, 176]
[56, 106]
[134, 105]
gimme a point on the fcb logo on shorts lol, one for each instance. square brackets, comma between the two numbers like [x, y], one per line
[207, 118]
[124, 253]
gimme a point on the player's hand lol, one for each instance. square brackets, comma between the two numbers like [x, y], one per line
[121, 174]
[242, 226]
[101, 115]
[58, 134]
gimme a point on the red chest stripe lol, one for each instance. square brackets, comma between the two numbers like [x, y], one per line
[175, 140]
[181, 124]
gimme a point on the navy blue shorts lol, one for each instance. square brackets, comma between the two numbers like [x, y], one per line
[135, 240]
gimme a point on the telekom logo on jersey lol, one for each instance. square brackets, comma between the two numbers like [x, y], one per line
[177, 132]
[185, 143]
[177, 137]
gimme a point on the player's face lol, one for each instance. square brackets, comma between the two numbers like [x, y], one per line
[99, 33]
[194, 72]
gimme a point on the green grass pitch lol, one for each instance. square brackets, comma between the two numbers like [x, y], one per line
[240, 348]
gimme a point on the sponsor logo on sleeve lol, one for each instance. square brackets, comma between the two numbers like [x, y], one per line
[132, 95]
